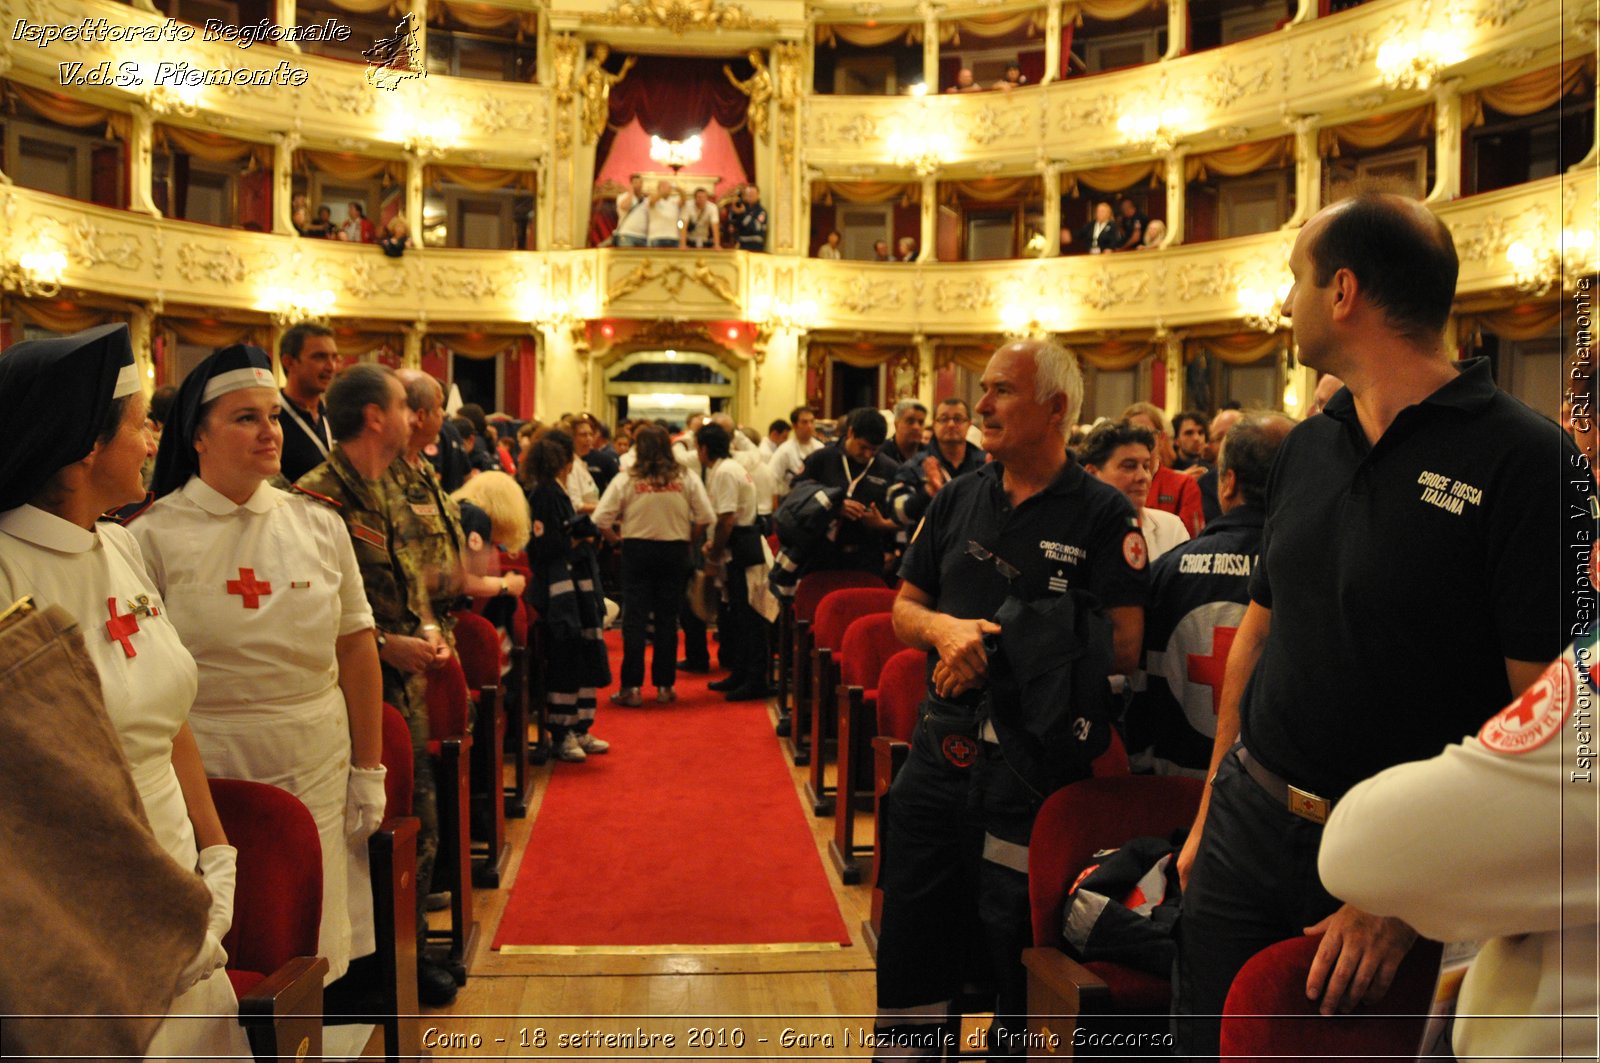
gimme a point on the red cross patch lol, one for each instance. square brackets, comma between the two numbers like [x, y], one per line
[959, 750]
[249, 588]
[1134, 552]
[1537, 716]
[122, 628]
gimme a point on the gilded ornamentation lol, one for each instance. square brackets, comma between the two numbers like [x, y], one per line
[1499, 12]
[198, 263]
[343, 96]
[758, 86]
[1227, 84]
[370, 278]
[680, 16]
[565, 51]
[1204, 280]
[1516, 58]
[950, 296]
[789, 60]
[1366, 101]
[496, 113]
[673, 279]
[860, 129]
[1487, 240]
[596, 87]
[994, 123]
[1234, 134]
[1339, 56]
[473, 285]
[860, 295]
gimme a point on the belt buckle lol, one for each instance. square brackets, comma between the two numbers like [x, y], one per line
[1308, 805]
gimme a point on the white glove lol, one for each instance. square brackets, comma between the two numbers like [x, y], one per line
[365, 801]
[219, 868]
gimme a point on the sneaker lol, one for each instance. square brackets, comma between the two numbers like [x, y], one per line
[436, 987]
[438, 901]
[627, 696]
[572, 750]
[590, 744]
[666, 695]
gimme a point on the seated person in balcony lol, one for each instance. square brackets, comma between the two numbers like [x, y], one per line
[1155, 234]
[664, 216]
[632, 215]
[1134, 222]
[1101, 235]
[830, 249]
[1014, 78]
[965, 82]
[880, 251]
[702, 222]
[358, 228]
[396, 236]
[750, 220]
[906, 249]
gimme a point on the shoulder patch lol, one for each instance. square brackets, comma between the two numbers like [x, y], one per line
[335, 503]
[1535, 717]
[1134, 551]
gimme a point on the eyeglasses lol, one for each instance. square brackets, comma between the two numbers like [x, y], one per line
[951, 419]
[978, 551]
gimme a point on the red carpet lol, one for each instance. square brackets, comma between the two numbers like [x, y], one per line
[688, 832]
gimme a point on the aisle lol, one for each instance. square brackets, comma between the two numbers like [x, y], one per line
[687, 836]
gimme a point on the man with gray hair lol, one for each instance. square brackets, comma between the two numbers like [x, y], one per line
[909, 418]
[1198, 593]
[1033, 527]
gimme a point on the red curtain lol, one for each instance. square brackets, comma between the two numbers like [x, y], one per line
[675, 97]
[1032, 63]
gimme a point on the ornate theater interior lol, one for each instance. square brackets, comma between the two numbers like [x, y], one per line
[174, 182]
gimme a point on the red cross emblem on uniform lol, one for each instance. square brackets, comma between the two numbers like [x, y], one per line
[1210, 670]
[248, 588]
[122, 628]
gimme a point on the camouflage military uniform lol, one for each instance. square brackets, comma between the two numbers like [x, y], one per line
[428, 521]
[397, 593]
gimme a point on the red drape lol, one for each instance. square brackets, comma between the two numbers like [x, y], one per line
[1032, 63]
[674, 97]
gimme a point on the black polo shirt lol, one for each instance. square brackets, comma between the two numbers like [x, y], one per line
[1401, 575]
[1198, 593]
[1078, 533]
[908, 497]
[301, 453]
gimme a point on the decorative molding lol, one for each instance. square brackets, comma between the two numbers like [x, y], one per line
[680, 16]
[1106, 288]
[219, 264]
[1498, 12]
[673, 278]
[1226, 84]
[473, 285]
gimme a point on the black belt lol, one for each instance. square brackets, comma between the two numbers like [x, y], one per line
[1302, 803]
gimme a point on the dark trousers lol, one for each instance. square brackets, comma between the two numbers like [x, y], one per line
[1254, 883]
[743, 631]
[929, 944]
[654, 573]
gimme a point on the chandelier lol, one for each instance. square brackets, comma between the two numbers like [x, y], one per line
[675, 154]
[35, 274]
[1415, 62]
[1535, 272]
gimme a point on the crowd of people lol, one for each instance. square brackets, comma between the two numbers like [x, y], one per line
[1013, 78]
[665, 217]
[301, 552]
[1125, 228]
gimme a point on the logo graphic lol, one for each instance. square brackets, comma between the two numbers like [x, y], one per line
[1535, 717]
[1134, 552]
[960, 750]
[392, 60]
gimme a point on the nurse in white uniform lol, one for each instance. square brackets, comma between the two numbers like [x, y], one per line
[56, 477]
[263, 588]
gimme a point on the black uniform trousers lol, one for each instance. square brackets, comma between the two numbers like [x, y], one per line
[1254, 883]
[742, 630]
[654, 572]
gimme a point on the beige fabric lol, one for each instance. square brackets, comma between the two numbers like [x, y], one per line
[1530, 93]
[866, 192]
[1114, 178]
[70, 111]
[1105, 10]
[1002, 24]
[61, 318]
[99, 919]
[212, 147]
[1375, 132]
[478, 178]
[1525, 321]
[1245, 348]
[1240, 159]
[1113, 355]
[868, 36]
[351, 167]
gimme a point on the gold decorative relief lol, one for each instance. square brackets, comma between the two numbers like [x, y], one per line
[369, 279]
[565, 50]
[474, 285]
[1227, 84]
[951, 296]
[680, 16]
[1205, 280]
[90, 246]
[673, 278]
[217, 264]
[1499, 12]
[1348, 53]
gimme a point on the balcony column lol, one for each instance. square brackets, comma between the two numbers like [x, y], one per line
[1446, 142]
[925, 374]
[930, 218]
[1307, 172]
[930, 46]
[1052, 210]
[1052, 43]
[141, 171]
[286, 17]
[1177, 188]
[1306, 11]
[419, 27]
[411, 357]
[283, 146]
[141, 324]
[1178, 28]
[803, 236]
[414, 171]
[1172, 360]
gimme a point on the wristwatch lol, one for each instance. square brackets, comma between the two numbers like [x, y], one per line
[505, 588]
[383, 640]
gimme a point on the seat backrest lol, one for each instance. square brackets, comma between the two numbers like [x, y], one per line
[901, 687]
[1267, 1015]
[1079, 820]
[838, 610]
[448, 704]
[811, 589]
[399, 780]
[1114, 761]
[478, 643]
[867, 645]
[277, 905]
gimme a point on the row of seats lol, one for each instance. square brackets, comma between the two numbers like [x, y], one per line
[850, 687]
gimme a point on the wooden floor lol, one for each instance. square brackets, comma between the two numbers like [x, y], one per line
[712, 1005]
